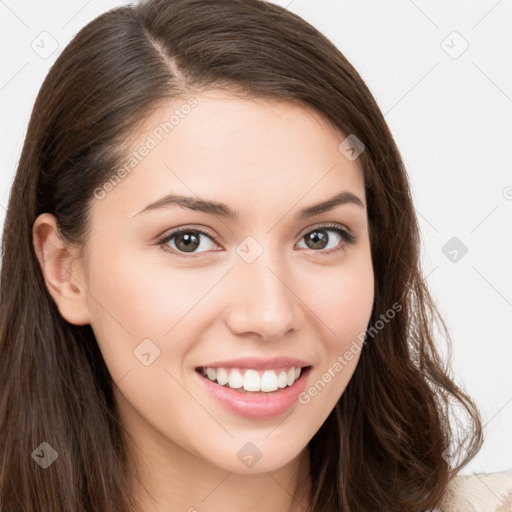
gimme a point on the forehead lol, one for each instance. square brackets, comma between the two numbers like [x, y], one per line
[236, 150]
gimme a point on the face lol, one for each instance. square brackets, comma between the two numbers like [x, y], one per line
[251, 288]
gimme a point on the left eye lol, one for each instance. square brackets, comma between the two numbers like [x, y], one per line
[319, 238]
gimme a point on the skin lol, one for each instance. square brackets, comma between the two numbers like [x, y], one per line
[265, 159]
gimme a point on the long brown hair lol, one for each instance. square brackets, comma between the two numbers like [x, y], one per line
[383, 446]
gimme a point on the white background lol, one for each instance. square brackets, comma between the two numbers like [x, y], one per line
[451, 118]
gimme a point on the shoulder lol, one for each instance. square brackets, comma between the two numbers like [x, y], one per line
[479, 492]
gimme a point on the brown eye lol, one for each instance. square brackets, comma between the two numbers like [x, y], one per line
[322, 239]
[187, 241]
[317, 239]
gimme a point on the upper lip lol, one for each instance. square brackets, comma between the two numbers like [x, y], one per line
[258, 363]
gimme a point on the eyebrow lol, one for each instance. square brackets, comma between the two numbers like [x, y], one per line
[222, 210]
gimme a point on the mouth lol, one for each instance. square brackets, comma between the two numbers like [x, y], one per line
[250, 381]
[254, 394]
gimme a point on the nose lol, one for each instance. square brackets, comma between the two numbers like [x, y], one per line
[261, 299]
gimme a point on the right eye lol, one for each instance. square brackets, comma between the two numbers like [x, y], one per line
[186, 240]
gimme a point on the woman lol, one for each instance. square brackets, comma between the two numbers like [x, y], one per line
[212, 232]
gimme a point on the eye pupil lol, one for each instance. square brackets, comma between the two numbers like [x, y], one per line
[190, 241]
[319, 238]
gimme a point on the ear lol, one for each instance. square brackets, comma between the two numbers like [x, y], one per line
[62, 270]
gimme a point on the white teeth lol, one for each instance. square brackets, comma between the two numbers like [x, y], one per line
[222, 376]
[252, 380]
[236, 379]
[268, 381]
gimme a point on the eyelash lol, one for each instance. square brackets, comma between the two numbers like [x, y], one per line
[347, 238]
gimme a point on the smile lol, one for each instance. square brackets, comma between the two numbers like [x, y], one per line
[251, 393]
[253, 380]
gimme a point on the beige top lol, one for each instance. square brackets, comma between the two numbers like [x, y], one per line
[479, 492]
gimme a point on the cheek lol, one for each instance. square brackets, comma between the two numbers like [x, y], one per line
[355, 306]
[344, 307]
[131, 303]
[343, 302]
[144, 299]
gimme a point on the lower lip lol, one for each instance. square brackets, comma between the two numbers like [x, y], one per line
[257, 406]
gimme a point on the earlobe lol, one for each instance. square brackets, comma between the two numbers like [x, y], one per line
[62, 270]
